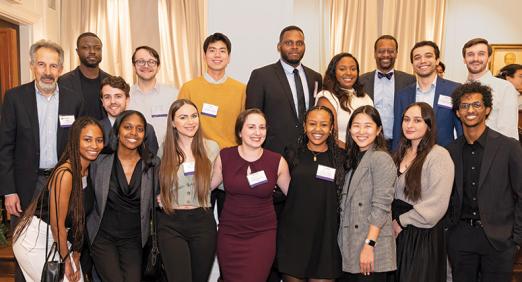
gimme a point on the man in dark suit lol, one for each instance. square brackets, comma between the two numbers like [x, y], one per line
[34, 129]
[429, 88]
[284, 91]
[485, 211]
[115, 97]
[383, 84]
[87, 77]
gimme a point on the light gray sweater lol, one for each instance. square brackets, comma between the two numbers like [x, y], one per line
[436, 183]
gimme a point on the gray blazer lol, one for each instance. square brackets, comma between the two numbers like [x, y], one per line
[100, 172]
[368, 201]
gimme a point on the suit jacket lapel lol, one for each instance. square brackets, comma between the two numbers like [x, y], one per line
[438, 88]
[32, 113]
[281, 75]
[371, 86]
[459, 171]
[102, 182]
[359, 173]
[312, 87]
[489, 154]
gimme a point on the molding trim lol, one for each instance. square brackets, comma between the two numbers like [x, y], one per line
[16, 13]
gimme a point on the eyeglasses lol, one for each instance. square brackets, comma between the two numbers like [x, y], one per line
[476, 105]
[150, 63]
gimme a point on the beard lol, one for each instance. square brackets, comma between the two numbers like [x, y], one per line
[90, 64]
[285, 58]
[473, 71]
[47, 87]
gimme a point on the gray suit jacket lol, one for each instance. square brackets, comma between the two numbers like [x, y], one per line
[402, 80]
[100, 172]
[367, 201]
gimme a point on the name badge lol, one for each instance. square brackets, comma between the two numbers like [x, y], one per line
[66, 120]
[158, 111]
[209, 110]
[257, 178]
[445, 102]
[325, 173]
[189, 168]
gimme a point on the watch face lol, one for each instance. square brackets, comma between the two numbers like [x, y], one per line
[370, 242]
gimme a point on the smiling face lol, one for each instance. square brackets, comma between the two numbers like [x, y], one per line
[186, 121]
[472, 112]
[114, 100]
[364, 131]
[424, 61]
[253, 132]
[131, 132]
[217, 56]
[46, 69]
[89, 51]
[91, 142]
[413, 125]
[385, 54]
[145, 65]
[346, 72]
[476, 58]
[318, 126]
[292, 47]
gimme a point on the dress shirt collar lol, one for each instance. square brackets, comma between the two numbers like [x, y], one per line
[156, 88]
[433, 85]
[290, 69]
[482, 140]
[211, 80]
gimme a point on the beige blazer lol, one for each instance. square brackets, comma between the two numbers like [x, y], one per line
[367, 201]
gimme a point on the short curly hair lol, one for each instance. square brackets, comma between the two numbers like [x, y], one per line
[469, 88]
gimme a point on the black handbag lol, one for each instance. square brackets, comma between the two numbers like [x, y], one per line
[54, 267]
[152, 266]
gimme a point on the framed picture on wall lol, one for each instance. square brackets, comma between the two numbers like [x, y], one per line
[504, 54]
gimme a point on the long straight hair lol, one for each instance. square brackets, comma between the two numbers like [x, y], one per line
[76, 210]
[379, 143]
[173, 157]
[412, 189]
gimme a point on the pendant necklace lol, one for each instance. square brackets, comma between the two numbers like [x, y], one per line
[314, 153]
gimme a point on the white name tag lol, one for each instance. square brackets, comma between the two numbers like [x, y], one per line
[325, 173]
[66, 120]
[445, 101]
[257, 178]
[189, 168]
[158, 111]
[209, 110]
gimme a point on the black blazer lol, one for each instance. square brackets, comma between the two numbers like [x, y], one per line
[402, 80]
[150, 136]
[73, 81]
[499, 192]
[20, 141]
[269, 91]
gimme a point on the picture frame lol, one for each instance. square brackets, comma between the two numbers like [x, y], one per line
[504, 54]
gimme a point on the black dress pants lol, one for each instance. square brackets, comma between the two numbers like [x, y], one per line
[471, 255]
[117, 259]
[187, 242]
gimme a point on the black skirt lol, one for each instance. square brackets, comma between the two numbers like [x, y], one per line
[421, 252]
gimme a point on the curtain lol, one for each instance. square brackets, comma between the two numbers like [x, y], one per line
[110, 20]
[182, 28]
[356, 24]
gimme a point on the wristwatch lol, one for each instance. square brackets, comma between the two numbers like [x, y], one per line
[370, 242]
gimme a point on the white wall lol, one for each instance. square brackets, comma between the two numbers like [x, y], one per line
[496, 21]
[254, 27]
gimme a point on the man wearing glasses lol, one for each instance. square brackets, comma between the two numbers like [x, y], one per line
[149, 97]
[87, 77]
[485, 211]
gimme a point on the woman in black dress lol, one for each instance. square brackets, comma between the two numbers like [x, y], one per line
[307, 234]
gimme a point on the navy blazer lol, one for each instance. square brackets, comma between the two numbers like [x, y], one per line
[446, 119]
[20, 138]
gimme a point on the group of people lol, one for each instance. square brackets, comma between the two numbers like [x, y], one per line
[374, 177]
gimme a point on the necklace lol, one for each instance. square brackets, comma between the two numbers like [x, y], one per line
[315, 153]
